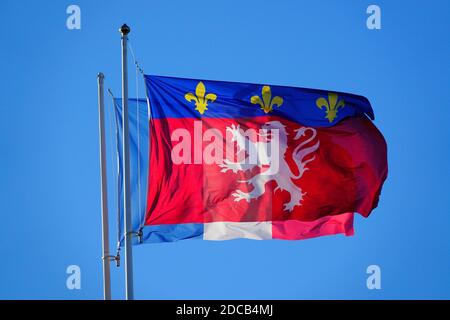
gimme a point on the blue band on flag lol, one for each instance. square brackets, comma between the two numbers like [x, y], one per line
[172, 232]
[178, 97]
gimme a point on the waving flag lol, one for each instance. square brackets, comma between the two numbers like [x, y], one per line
[237, 160]
[138, 117]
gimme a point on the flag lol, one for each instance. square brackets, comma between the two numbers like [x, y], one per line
[237, 160]
[138, 118]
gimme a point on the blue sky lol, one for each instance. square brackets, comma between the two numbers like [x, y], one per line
[49, 188]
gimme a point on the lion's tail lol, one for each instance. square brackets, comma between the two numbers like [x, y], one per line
[300, 152]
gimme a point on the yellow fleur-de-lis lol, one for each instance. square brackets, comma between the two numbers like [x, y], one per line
[332, 105]
[267, 103]
[201, 100]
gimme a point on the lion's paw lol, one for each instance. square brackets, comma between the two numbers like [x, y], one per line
[241, 195]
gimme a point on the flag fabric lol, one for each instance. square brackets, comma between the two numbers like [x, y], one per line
[138, 118]
[237, 160]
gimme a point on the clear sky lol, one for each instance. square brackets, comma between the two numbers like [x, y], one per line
[50, 187]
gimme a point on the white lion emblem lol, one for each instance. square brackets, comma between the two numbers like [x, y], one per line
[276, 167]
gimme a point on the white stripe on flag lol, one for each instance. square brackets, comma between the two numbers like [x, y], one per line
[232, 230]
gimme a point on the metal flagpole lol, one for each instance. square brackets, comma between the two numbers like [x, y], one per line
[104, 191]
[129, 295]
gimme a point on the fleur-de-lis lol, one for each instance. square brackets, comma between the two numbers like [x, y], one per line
[267, 103]
[201, 100]
[332, 105]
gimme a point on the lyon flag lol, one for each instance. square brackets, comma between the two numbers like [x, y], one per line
[224, 160]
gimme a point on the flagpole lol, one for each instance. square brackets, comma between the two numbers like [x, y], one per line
[129, 294]
[104, 191]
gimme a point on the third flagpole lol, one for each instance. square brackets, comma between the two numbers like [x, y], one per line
[129, 294]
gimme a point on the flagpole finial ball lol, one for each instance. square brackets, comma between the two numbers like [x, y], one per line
[100, 75]
[124, 30]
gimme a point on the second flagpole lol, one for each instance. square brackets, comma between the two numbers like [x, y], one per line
[129, 292]
[105, 224]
